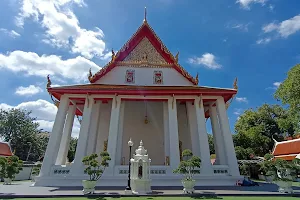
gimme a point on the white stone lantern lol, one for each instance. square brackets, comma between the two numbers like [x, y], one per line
[140, 171]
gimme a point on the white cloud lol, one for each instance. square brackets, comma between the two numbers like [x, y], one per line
[284, 28]
[241, 99]
[62, 26]
[237, 111]
[28, 91]
[208, 60]
[239, 26]
[246, 3]
[44, 112]
[263, 41]
[32, 64]
[10, 33]
[277, 84]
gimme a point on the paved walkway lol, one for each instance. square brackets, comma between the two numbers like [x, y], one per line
[24, 189]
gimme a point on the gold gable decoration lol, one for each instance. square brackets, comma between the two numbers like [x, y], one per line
[146, 52]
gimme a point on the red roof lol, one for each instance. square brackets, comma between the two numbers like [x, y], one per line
[143, 31]
[287, 147]
[5, 149]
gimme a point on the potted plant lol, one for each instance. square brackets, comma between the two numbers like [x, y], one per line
[35, 171]
[284, 173]
[9, 168]
[267, 164]
[94, 169]
[188, 167]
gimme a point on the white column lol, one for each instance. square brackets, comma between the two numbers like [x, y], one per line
[93, 129]
[83, 137]
[191, 112]
[166, 130]
[173, 134]
[66, 137]
[227, 136]
[206, 167]
[113, 131]
[120, 134]
[55, 137]
[218, 138]
[99, 142]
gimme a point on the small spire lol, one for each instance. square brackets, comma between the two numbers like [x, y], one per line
[48, 81]
[197, 78]
[235, 86]
[141, 143]
[145, 15]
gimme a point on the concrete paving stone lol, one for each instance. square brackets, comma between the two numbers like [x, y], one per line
[25, 189]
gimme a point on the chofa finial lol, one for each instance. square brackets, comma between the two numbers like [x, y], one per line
[90, 74]
[177, 57]
[235, 86]
[113, 55]
[49, 81]
[197, 78]
[145, 15]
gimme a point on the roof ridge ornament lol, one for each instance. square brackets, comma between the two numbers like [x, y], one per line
[49, 81]
[145, 15]
[235, 86]
[177, 57]
[90, 74]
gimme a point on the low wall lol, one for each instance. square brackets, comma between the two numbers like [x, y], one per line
[25, 173]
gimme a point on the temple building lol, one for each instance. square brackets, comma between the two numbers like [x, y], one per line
[287, 150]
[143, 93]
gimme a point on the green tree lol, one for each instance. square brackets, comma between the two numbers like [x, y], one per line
[211, 143]
[255, 128]
[289, 93]
[72, 149]
[18, 127]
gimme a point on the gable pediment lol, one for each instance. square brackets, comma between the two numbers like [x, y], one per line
[145, 49]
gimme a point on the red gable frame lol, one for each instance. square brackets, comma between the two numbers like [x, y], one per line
[143, 31]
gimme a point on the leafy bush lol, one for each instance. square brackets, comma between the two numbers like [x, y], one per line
[10, 166]
[281, 169]
[94, 168]
[36, 169]
[188, 166]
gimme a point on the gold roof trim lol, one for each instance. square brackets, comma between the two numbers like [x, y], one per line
[144, 64]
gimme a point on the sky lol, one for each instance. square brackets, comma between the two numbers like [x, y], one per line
[256, 41]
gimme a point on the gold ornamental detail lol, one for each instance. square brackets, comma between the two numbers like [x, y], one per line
[144, 64]
[146, 52]
[167, 163]
[105, 145]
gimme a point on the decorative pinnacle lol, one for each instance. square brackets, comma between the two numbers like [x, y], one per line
[235, 86]
[145, 15]
[141, 143]
[48, 81]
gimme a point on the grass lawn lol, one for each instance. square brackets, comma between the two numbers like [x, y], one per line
[171, 198]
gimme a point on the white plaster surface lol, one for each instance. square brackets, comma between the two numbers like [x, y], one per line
[143, 76]
[152, 133]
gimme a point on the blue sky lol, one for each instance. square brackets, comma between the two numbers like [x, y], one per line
[254, 40]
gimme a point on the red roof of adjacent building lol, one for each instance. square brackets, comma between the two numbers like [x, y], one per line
[5, 149]
[287, 150]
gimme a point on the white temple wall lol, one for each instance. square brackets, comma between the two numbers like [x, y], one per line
[144, 76]
[103, 128]
[152, 133]
[183, 127]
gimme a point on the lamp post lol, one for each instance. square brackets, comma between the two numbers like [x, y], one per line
[130, 144]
